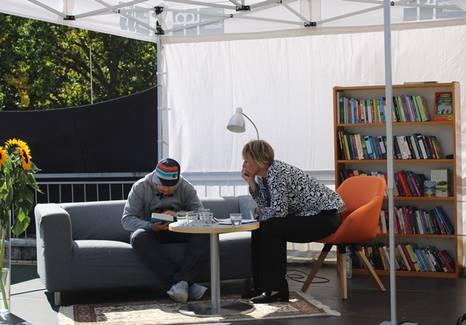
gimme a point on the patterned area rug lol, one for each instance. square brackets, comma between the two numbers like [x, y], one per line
[166, 312]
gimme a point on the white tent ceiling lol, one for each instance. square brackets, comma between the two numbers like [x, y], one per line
[139, 19]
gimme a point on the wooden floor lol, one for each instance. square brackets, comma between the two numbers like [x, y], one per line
[425, 301]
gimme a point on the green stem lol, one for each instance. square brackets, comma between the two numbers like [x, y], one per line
[2, 253]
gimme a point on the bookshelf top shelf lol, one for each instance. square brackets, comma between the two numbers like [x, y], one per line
[402, 86]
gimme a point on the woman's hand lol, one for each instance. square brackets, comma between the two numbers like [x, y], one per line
[248, 177]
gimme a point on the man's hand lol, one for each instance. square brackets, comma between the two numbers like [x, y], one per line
[170, 212]
[160, 226]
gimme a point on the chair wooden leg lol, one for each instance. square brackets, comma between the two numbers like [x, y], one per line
[366, 262]
[316, 267]
[341, 257]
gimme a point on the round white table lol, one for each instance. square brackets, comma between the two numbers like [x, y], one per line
[215, 307]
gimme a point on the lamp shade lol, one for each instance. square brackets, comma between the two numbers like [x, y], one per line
[236, 122]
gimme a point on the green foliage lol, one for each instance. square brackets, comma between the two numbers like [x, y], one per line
[17, 185]
[44, 65]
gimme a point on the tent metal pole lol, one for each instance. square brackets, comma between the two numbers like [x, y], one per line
[108, 9]
[159, 72]
[40, 4]
[389, 134]
[350, 14]
[201, 3]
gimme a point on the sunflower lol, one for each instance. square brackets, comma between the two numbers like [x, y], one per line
[26, 159]
[3, 156]
[24, 152]
[12, 144]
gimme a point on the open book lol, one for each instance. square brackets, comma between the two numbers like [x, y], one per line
[160, 217]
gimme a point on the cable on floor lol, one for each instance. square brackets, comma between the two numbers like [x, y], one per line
[300, 276]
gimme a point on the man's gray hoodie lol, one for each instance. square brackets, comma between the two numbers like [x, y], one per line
[145, 198]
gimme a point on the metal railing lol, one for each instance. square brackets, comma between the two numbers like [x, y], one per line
[59, 188]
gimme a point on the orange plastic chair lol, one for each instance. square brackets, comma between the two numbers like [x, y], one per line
[363, 197]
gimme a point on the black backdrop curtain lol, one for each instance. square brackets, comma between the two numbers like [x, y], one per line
[114, 136]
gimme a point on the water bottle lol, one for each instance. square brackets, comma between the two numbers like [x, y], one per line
[349, 263]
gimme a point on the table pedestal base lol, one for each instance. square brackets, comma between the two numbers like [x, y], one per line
[204, 309]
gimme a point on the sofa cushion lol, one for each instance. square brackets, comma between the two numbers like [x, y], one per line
[221, 207]
[247, 205]
[97, 220]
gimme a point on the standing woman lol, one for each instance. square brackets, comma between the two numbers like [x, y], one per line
[291, 206]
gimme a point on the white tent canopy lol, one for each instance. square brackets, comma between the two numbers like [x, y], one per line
[138, 18]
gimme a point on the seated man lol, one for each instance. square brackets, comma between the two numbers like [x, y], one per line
[165, 191]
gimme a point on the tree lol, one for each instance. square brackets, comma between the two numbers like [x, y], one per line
[44, 65]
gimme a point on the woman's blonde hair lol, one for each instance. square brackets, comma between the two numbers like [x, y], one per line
[259, 151]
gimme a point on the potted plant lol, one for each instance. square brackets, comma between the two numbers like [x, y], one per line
[17, 187]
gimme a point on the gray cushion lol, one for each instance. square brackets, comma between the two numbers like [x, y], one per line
[247, 205]
[221, 207]
[97, 220]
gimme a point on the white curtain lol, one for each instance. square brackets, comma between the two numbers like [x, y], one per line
[285, 86]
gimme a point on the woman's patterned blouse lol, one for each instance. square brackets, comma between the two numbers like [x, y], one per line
[287, 190]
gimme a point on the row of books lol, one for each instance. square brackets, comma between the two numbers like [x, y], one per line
[406, 108]
[408, 257]
[367, 147]
[408, 183]
[409, 220]
[416, 146]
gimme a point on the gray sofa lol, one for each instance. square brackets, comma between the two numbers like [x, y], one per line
[83, 246]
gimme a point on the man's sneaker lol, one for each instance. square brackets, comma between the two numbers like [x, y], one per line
[179, 292]
[196, 291]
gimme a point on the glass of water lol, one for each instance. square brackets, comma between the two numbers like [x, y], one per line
[182, 217]
[236, 218]
[193, 218]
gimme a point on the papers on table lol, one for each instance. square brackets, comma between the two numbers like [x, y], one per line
[227, 221]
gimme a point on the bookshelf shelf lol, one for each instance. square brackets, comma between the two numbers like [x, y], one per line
[424, 198]
[421, 236]
[447, 275]
[359, 132]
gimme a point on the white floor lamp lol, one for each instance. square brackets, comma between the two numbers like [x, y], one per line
[237, 123]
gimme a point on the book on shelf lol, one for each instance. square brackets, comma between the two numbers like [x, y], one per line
[440, 177]
[443, 106]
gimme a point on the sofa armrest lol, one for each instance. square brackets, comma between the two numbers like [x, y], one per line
[54, 245]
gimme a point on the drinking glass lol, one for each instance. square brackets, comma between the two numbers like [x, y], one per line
[236, 218]
[182, 217]
[193, 219]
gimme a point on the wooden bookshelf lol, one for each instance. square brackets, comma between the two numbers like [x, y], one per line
[446, 132]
